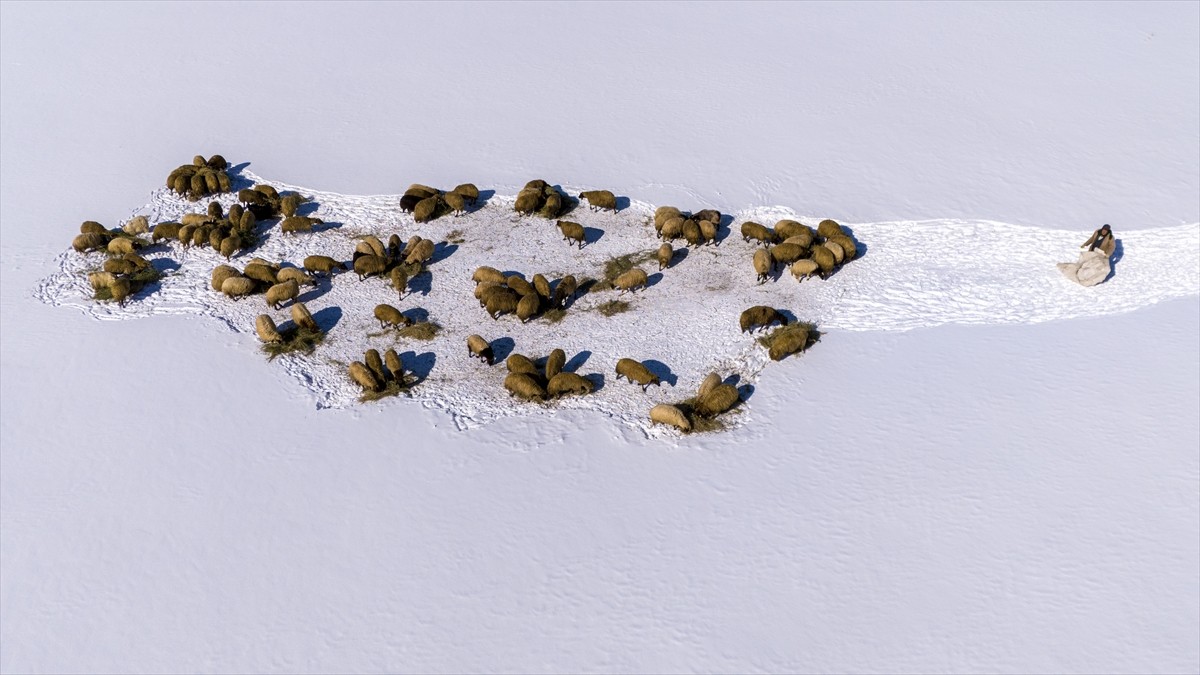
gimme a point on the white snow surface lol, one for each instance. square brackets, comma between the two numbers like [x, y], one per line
[1020, 494]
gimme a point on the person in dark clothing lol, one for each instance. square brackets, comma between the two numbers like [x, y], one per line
[1100, 239]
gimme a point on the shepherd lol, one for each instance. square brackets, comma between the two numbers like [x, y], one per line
[1094, 264]
[1101, 239]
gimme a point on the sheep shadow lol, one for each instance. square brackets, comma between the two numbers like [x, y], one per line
[661, 371]
[678, 255]
[238, 180]
[576, 362]
[569, 203]
[744, 393]
[622, 203]
[326, 226]
[591, 235]
[417, 314]
[165, 265]
[597, 380]
[306, 208]
[653, 279]
[787, 314]
[502, 347]
[724, 229]
[1118, 253]
[484, 196]
[420, 365]
[441, 251]
[316, 291]
[327, 318]
[860, 249]
[581, 290]
[421, 283]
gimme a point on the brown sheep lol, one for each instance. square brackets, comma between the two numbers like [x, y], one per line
[564, 290]
[120, 266]
[708, 231]
[322, 264]
[394, 247]
[791, 228]
[363, 376]
[528, 307]
[691, 232]
[711, 215]
[480, 348]
[786, 254]
[536, 184]
[669, 414]
[555, 363]
[501, 303]
[486, 273]
[758, 232]
[92, 227]
[763, 264]
[456, 202]
[374, 246]
[710, 382]
[849, 248]
[375, 362]
[261, 273]
[519, 363]
[230, 245]
[804, 238]
[829, 228]
[824, 259]
[120, 289]
[527, 201]
[636, 372]
[485, 287]
[399, 278]
[487, 290]
[673, 228]
[664, 256]
[89, 242]
[839, 254]
[552, 206]
[600, 200]
[524, 386]
[167, 230]
[390, 316]
[426, 209]
[395, 365]
[100, 280]
[214, 211]
[420, 252]
[569, 383]
[631, 280]
[804, 269]
[288, 205]
[760, 316]
[222, 272]
[468, 191]
[303, 318]
[664, 213]
[572, 232]
[369, 266]
[265, 327]
[282, 292]
[542, 285]
[720, 399]
[238, 287]
[294, 274]
[787, 342]
[518, 284]
[298, 224]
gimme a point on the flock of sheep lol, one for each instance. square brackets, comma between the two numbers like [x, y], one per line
[809, 253]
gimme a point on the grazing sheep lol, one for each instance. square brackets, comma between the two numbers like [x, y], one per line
[791, 228]
[804, 269]
[120, 289]
[849, 248]
[89, 242]
[802, 241]
[369, 266]
[265, 326]
[137, 260]
[253, 196]
[100, 280]
[555, 363]
[664, 255]
[456, 202]
[196, 219]
[281, 293]
[395, 365]
[375, 246]
[375, 362]
[552, 206]
[569, 383]
[480, 349]
[235, 213]
[839, 254]
[486, 273]
[631, 280]
[691, 232]
[634, 371]
[423, 191]
[288, 205]
[222, 272]
[215, 235]
[710, 382]
[720, 399]
[763, 264]
[215, 211]
[119, 266]
[137, 225]
[485, 287]
[409, 202]
[399, 278]
[322, 264]
[829, 228]
[824, 259]
[467, 191]
[390, 316]
[519, 363]
[527, 201]
[261, 273]
[757, 232]
[293, 224]
[247, 221]
[487, 290]
[230, 245]
[296, 275]
[787, 342]
[669, 414]
[501, 303]
[92, 227]
[425, 210]
[786, 254]
[708, 231]
[600, 200]
[673, 228]
[760, 316]
[167, 230]
[711, 215]
[664, 213]
[564, 291]
[363, 376]
[266, 263]
[303, 318]
[238, 287]
[421, 252]
[518, 284]
[524, 386]
[394, 247]
[217, 163]
[542, 285]
[200, 236]
[528, 306]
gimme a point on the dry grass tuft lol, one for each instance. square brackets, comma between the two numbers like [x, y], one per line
[613, 307]
[294, 340]
[554, 315]
[426, 330]
[814, 335]
[700, 425]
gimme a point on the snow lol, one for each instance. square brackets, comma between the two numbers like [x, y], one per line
[914, 494]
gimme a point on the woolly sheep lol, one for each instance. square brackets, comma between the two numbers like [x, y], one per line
[519, 363]
[708, 231]
[542, 285]
[829, 228]
[235, 213]
[322, 263]
[200, 236]
[572, 232]
[631, 280]
[673, 228]
[120, 289]
[185, 234]
[421, 252]
[791, 228]
[302, 317]
[527, 201]
[763, 264]
[569, 383]
[215, 236]
[261, 273]
[137, 225]
[804, 269]
[468, 191]
[528, 307]
[524, 386]
[390, 316]
[803, 241]
[787, 342]
[89, 242]
[294, 274]
[363, 376]
[222, 272]
[786, 254]
[484, 287]
[369, 266]
[230, 245]
[849, 248]
[92, 227]
[600, 200]
[246, 221]
[536, 184]
[757, 232]
[137, 260]
[424, 191]
[564, 291]
[375, 247]
[480, 348]
[100, 280]
[839, 254]
[167, 230]
[760, 316]
[374, 362]
[552, 206]
[119, 266]
[711, 215]
[281, 293]
[395, 364]
[288, 205]
[215, 211]
[664, 213]
[501, 303]
[238, 287]
[456, 202]
[293, 224]
[555, 363]
[409, 202]
[669, 414]
[425, 210]
[634, 371]
[710, 382]
[824, 259]
[518, 284]
[399, 278]
[487, 290]
[264, 325]
[691, 232]
[720, 399]
[394, 246]
[664, 255]
[486, 273]
[196, 219]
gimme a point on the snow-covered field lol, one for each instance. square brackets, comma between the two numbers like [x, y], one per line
[913, 494]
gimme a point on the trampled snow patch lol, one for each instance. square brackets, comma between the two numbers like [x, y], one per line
[909, 274]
